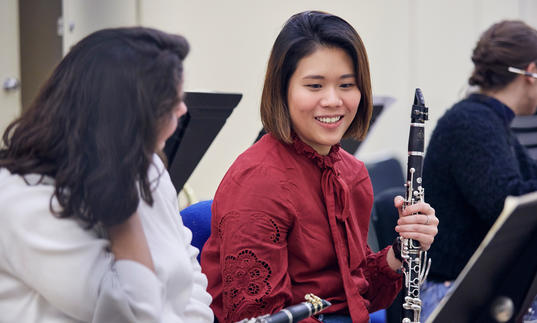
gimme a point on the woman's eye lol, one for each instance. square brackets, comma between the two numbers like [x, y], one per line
[314, 86]
[347, 85]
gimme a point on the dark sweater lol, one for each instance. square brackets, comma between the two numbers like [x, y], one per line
[473, 162]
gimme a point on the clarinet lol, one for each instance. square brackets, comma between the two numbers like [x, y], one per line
[293, 313]
[415, 261]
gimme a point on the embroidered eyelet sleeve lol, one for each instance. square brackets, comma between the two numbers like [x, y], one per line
[251, 219]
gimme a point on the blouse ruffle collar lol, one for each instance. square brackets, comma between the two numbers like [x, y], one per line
[323, 162]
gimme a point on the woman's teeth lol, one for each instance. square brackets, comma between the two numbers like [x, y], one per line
[328, 119]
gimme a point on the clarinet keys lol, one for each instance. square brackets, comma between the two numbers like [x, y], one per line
[415, 261]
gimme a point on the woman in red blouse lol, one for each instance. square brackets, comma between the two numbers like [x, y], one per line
[292, 213]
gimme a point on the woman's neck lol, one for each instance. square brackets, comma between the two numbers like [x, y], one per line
[512, 95]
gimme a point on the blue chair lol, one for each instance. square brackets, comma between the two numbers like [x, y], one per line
[197, 217]
[378, 316]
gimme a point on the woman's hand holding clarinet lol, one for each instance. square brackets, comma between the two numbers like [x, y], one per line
[417, 221]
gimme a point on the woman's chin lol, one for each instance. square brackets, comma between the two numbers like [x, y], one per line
[160, 146]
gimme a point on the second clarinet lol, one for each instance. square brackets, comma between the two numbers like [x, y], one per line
[415, 262]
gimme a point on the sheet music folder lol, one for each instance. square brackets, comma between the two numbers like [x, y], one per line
[504, 265]
[196, 130]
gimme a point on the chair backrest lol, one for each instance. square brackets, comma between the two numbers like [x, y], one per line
[387, 179]
[385, 216]
[197, 217]
[385, 174]
[525, 129]
[384, 219]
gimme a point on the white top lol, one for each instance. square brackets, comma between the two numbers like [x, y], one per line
[53, 270]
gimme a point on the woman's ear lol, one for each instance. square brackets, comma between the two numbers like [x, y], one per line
[532, 68]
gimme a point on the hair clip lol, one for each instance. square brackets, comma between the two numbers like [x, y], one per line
[521, 72]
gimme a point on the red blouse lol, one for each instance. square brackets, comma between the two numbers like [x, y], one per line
[287, 221]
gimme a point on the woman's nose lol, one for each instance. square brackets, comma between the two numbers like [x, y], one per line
[331, 99]
[182, 109]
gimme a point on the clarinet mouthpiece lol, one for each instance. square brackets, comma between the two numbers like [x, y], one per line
[418, 97]
[420, 113]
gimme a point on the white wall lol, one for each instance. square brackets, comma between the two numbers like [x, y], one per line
[82, 17]
[411, 43]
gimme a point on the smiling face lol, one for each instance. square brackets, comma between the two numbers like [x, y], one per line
[323, 97]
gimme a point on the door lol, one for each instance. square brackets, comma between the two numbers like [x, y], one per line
[10, 101]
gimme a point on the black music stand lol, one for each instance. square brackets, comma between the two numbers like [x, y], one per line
[379, 104]
[207, 113]
[504, 266]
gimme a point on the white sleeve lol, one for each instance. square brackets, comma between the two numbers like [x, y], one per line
[129, 293]
[198, 307]
[67, 265]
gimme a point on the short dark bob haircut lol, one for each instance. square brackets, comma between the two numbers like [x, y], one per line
[94, 125]
[301, 35]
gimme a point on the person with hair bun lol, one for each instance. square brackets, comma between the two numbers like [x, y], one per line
[291, 215]
[473, 160]
[90, 227]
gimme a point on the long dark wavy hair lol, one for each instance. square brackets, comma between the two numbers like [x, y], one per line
[94, 125]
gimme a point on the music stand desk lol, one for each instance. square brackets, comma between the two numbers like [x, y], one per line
[504, 264]
[207, 114]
